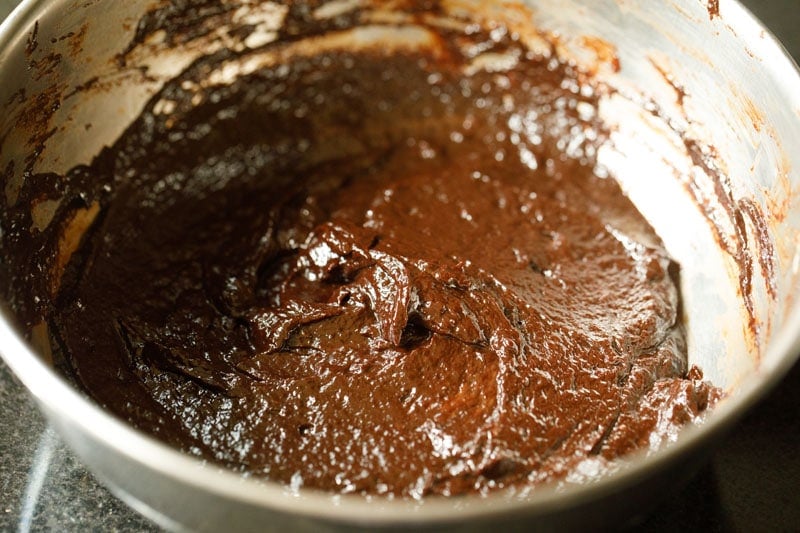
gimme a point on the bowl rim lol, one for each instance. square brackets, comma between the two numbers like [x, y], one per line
[60, 400]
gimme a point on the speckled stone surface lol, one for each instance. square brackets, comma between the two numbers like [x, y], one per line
[751, 483]
[43, 486]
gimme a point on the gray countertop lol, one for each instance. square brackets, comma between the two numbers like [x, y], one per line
[751, 482]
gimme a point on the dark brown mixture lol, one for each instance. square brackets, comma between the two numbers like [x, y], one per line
[372, 272]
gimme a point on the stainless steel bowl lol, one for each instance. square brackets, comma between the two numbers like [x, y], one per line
[715, 77]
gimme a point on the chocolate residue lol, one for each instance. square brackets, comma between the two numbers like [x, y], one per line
[724, 213]
[16, 98]
[737, 247]
[76, 40]
[667, 76]
[766, 250]
[33, 39]
[31, 111]
[604, 51]
[44, 65]
[207, 19]
[387, 270]
[713, 8]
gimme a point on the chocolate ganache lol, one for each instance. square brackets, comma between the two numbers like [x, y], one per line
[379, 270]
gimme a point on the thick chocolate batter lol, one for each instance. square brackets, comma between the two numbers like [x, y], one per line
[375, 272]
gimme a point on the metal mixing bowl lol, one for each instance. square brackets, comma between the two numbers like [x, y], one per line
[716, 77]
